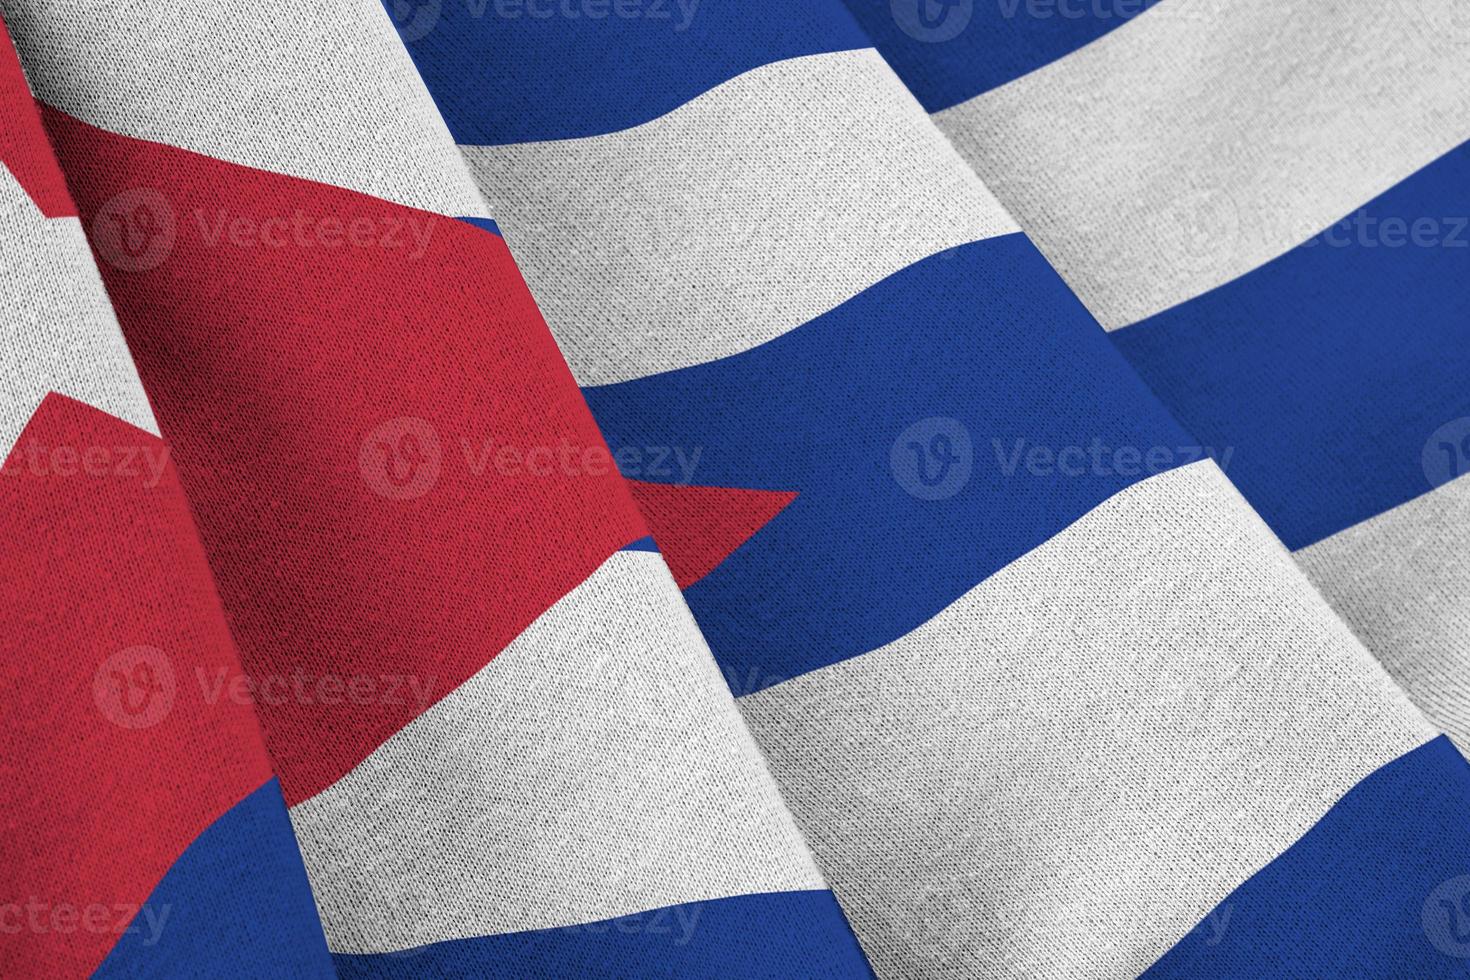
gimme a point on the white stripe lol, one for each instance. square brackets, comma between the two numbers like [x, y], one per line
[59, 332]
[1206, 137]
[1401, 581]
[762, 203]
[597, 767]
[1065, 770]
[322, 91]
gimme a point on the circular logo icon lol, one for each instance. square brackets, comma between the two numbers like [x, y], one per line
[134, 231]
[135, 688]
[400, 459]
[932, 458]
[1446, 917]
[932, 21]
[1199, 229]
[414, 19]
[1447, 453]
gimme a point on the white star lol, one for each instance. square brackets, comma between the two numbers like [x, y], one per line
[57, 330]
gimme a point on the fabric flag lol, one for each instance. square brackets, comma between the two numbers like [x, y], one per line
[144, 830]
[951, 496]
[1278, 240]
[1020, 656]
[503, 742]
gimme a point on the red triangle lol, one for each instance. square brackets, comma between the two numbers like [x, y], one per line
[696, 528]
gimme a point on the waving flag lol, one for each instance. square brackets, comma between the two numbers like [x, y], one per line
[855, 572]
[145, 832]
[502, 740]
[1277, 240]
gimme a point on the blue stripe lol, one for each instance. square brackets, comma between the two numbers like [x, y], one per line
[235, 904]
[986, 341]
[1379, 887]
[642, 544]
[778, 934]
[501, 75]
[1330, 368]
[484, 224]
[948, 51]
